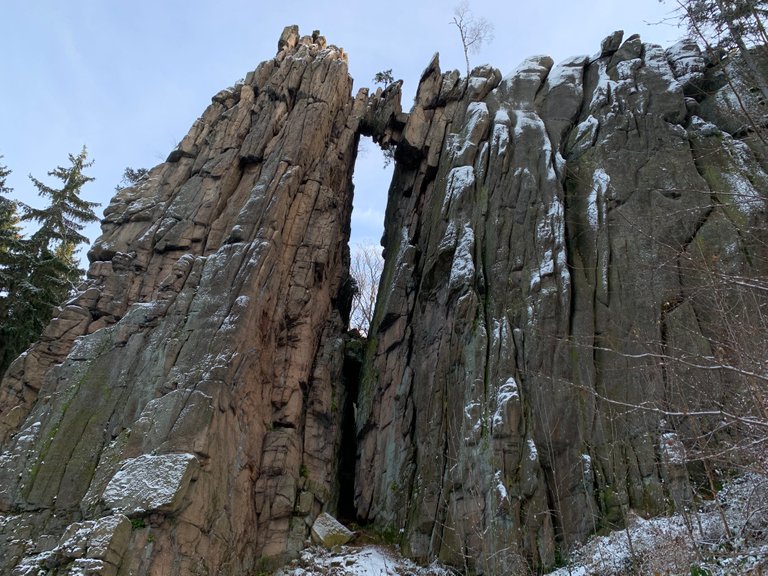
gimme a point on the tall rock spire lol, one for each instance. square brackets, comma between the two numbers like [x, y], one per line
[178, 413]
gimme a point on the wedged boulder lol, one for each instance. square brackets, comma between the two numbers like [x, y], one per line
[329, 532]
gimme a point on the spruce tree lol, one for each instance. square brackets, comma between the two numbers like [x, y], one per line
[42, 270]
[55, 243]
[67, 214]
[10, 231]
[12, 273]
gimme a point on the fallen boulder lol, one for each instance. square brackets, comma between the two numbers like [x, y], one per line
[329, 532]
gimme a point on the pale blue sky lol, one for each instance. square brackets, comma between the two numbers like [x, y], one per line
[128, 79]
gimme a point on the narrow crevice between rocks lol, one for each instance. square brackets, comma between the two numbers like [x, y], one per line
[345, 475]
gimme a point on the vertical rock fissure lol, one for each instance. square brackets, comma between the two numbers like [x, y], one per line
[348, 446]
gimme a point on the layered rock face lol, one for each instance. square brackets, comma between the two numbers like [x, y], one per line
[178, 415]
[549, 307]
[570, 255]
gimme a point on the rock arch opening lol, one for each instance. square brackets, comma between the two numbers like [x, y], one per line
[371, 177]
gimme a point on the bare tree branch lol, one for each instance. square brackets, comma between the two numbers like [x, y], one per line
[474, 31]
[365, 268]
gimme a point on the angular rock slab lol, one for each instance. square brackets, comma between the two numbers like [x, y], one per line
[329, 532]
[151, 483]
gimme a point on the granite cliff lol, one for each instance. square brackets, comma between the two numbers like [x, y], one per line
[550, 241]
[557, 242]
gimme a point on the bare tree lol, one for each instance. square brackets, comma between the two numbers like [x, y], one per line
[728, 27]
[474, 31]
[366, 268]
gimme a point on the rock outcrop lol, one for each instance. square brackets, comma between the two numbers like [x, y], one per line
[563, 247]
[191, 387]
[551, 242]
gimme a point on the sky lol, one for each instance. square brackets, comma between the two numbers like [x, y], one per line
[128, 79]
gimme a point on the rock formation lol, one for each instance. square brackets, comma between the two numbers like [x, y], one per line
[190, 391]
[549, 241]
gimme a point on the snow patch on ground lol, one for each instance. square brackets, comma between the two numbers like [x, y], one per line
[679, 544]
[364, 561]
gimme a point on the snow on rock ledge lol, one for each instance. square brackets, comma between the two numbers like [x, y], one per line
[90, 547]
[151, 483]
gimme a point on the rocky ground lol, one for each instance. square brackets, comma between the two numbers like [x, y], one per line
[725, 536]
[697, 544]
[366, 560]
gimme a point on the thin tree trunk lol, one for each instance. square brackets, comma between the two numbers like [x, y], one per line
[749, 59]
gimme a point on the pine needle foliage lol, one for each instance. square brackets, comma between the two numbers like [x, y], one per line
[40, 272]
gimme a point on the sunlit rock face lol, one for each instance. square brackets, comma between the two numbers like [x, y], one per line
[550, 241]
[562, 249]
[192, 386]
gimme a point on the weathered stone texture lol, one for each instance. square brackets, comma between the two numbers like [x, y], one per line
[191, 385]
[542, 239]
[563, 245]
